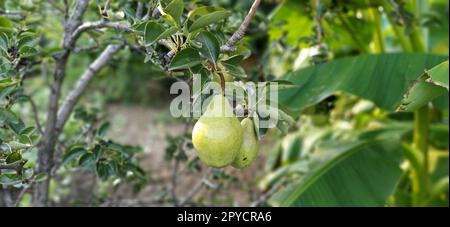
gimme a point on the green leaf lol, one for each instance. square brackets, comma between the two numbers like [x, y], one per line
[285, 117]
[140, 27]
[354, 174]
[5, 22]
[73, 153]
[103, 129]
[4, 42]
[208, 19]
[98, 152]
[28, 131]
[27, 51]
[9, 179]
[382, 79]
[104, 170]
[231, 65]
[40, 177]
[210, 45]
[18, 146]
[155, 32]
[175, 9]
[13, 157]
[7, 82]
[25, 139]
[87, 160]
[439, 75]
[269, 180]
[291, 146]
[129, 13]
[152, 31]
[272, 157]
[185, 59]
[17, 127]
[429, 86]
[287, 18]
[234, 60]
[234, 70]
[201, 11]
[168, 32]
[8, 116]
[27, 174]
[27, 40]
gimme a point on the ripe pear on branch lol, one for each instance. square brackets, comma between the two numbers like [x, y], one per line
[217, 135]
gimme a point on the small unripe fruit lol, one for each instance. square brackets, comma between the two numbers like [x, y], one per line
[249, 148]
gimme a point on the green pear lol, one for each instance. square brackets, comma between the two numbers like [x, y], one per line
[249, 148]
[217, 135]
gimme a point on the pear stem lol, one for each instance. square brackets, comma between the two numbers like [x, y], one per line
[222, 82]
[212, 66]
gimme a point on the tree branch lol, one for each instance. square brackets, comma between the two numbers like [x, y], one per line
[106, 7]
[83, 82]
[239, 34]
[139, 10]
[20, 195]
[96, 25]
[17, 166]
[73, 22]
[12, 15]
[36, 115]
[48, 140]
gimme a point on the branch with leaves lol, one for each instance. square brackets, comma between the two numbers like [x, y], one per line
[17, 166]
[240, 33]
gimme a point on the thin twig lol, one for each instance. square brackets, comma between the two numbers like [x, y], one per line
[239, 34]
[17, 166]
[12, 15]
[139, 10]
[21, 193]
[106, 7]
[88, 49]
[36, 116]
[150, 10]
[97, 25]
[196, 189]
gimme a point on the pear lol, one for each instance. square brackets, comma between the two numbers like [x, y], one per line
[217, 135]
[249, 148]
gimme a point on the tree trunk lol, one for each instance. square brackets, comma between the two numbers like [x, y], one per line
[47, 144]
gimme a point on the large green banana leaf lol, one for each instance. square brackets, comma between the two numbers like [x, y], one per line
[354, 174]
[383, 79]
[429, 86]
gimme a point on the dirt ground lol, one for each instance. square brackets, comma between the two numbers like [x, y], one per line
[148, 127]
